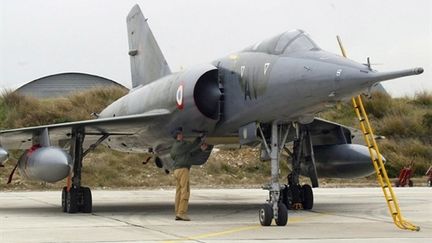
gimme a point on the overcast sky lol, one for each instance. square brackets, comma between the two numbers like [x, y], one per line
[43, 37]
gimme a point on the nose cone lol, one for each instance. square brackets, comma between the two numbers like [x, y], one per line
[382, 76]
[370, 77]
[352, 77]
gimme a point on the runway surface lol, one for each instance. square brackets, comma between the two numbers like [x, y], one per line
[218, 215]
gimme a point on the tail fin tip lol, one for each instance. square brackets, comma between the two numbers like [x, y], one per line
[147, 61]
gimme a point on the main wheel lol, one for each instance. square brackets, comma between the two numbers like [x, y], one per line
[282, 218]
[72, 201]
[63, 198]
[265, 214]
[410, 183]
[308, 200]
[284, 195]
[87, 200]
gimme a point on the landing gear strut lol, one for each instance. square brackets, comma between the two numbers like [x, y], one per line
[274, 208]
[76, 198]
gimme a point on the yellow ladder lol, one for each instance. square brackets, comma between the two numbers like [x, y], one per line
[379, 167]
[377, 161]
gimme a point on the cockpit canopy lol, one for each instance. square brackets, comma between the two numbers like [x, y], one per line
[287, 42]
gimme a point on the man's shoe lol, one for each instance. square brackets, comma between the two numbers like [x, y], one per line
[183, 218]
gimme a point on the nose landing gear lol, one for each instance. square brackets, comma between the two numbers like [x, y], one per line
[274, 208]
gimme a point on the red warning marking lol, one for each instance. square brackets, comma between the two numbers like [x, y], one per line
[32, 149]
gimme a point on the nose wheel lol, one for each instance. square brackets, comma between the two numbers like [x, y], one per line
[266, 215]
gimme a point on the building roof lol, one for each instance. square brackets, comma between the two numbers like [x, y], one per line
[62, 84]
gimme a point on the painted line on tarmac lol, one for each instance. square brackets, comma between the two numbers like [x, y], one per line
[236, 230]
[303, 218]
[213, 234]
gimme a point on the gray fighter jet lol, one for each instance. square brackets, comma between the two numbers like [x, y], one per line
[266, 95]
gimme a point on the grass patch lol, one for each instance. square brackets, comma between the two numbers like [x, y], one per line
[406, 123]
[23, 111]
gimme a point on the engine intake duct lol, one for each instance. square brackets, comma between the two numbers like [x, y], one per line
[207, 94]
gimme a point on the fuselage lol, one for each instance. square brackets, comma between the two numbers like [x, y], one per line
[286, 77]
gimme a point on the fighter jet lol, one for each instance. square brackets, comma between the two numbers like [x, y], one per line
[266, 95]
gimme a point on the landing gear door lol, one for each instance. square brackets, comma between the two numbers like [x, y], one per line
[248, 134]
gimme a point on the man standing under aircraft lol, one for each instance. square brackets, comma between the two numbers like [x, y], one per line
[182, 152]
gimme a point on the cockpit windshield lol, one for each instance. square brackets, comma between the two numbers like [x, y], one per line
[301, 43]
[287, 42]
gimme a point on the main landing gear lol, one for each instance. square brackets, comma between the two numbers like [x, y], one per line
[77, 198]
[293, 195]
[297, 197]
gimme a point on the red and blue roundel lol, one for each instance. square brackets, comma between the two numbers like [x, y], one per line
[179, 97]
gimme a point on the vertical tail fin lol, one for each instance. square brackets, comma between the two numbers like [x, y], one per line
[147, 60]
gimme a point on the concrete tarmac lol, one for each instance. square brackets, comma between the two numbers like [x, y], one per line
[218, 215]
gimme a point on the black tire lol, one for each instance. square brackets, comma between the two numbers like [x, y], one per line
[63, 199]
[308, 199]
[282, 218]
[410, 183]
[72, 201]
[87, 200]
[284, 197]
[397, 184]
[265, 214]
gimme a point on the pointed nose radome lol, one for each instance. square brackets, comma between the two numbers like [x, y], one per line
[419, 70]
[382, 76]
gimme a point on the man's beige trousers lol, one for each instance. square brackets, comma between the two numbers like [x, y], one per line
[182, 191]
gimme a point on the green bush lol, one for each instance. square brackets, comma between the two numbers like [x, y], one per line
[23, 111]
[379, 105]
[427, 120]
[423, 98]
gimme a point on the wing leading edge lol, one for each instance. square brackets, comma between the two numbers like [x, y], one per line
[125, 125]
